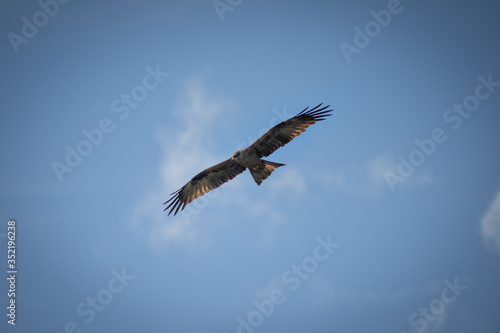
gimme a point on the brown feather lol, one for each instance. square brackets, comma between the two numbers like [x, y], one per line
[202, 183]
[284, 132]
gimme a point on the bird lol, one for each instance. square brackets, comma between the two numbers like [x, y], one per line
[248, 158]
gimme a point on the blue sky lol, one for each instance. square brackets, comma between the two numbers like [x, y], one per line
[386, 217]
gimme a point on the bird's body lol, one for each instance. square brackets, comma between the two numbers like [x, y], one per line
[249, 158]
[259, 168]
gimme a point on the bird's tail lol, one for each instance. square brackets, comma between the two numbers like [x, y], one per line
[265, 170]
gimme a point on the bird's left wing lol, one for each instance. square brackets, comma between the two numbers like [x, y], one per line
[284, 132]
[202, 183]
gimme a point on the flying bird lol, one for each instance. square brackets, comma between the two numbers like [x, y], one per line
[248, 158]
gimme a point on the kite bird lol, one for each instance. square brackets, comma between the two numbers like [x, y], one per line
[250, 158]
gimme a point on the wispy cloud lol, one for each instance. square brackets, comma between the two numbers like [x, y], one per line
[190, 150]
[288, 178]
[275, 283]
[368, 178]
[378, 166]
[261, 209]
[356, 179]
[183, 151]
[381, 166]
[490, 225]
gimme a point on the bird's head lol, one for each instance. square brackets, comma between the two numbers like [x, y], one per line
[236, 154]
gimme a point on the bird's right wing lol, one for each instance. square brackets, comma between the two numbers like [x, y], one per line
[284, 132]
[202, 183]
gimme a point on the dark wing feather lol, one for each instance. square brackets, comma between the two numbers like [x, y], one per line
[284, 132]
[202, 183]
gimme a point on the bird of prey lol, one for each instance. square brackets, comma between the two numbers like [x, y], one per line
[248, 158]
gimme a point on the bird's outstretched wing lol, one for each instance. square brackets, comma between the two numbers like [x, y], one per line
[284, 132]
[202, 183]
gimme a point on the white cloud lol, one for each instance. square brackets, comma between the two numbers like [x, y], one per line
[183, 154]
[381, 164]
[259, 207]
[189, 148]
[378, 166]
[184, 151]
[361, 179]
[265, 292]
[287, 178]
[490, 225]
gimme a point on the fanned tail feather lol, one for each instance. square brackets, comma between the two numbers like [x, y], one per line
[260, 174]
